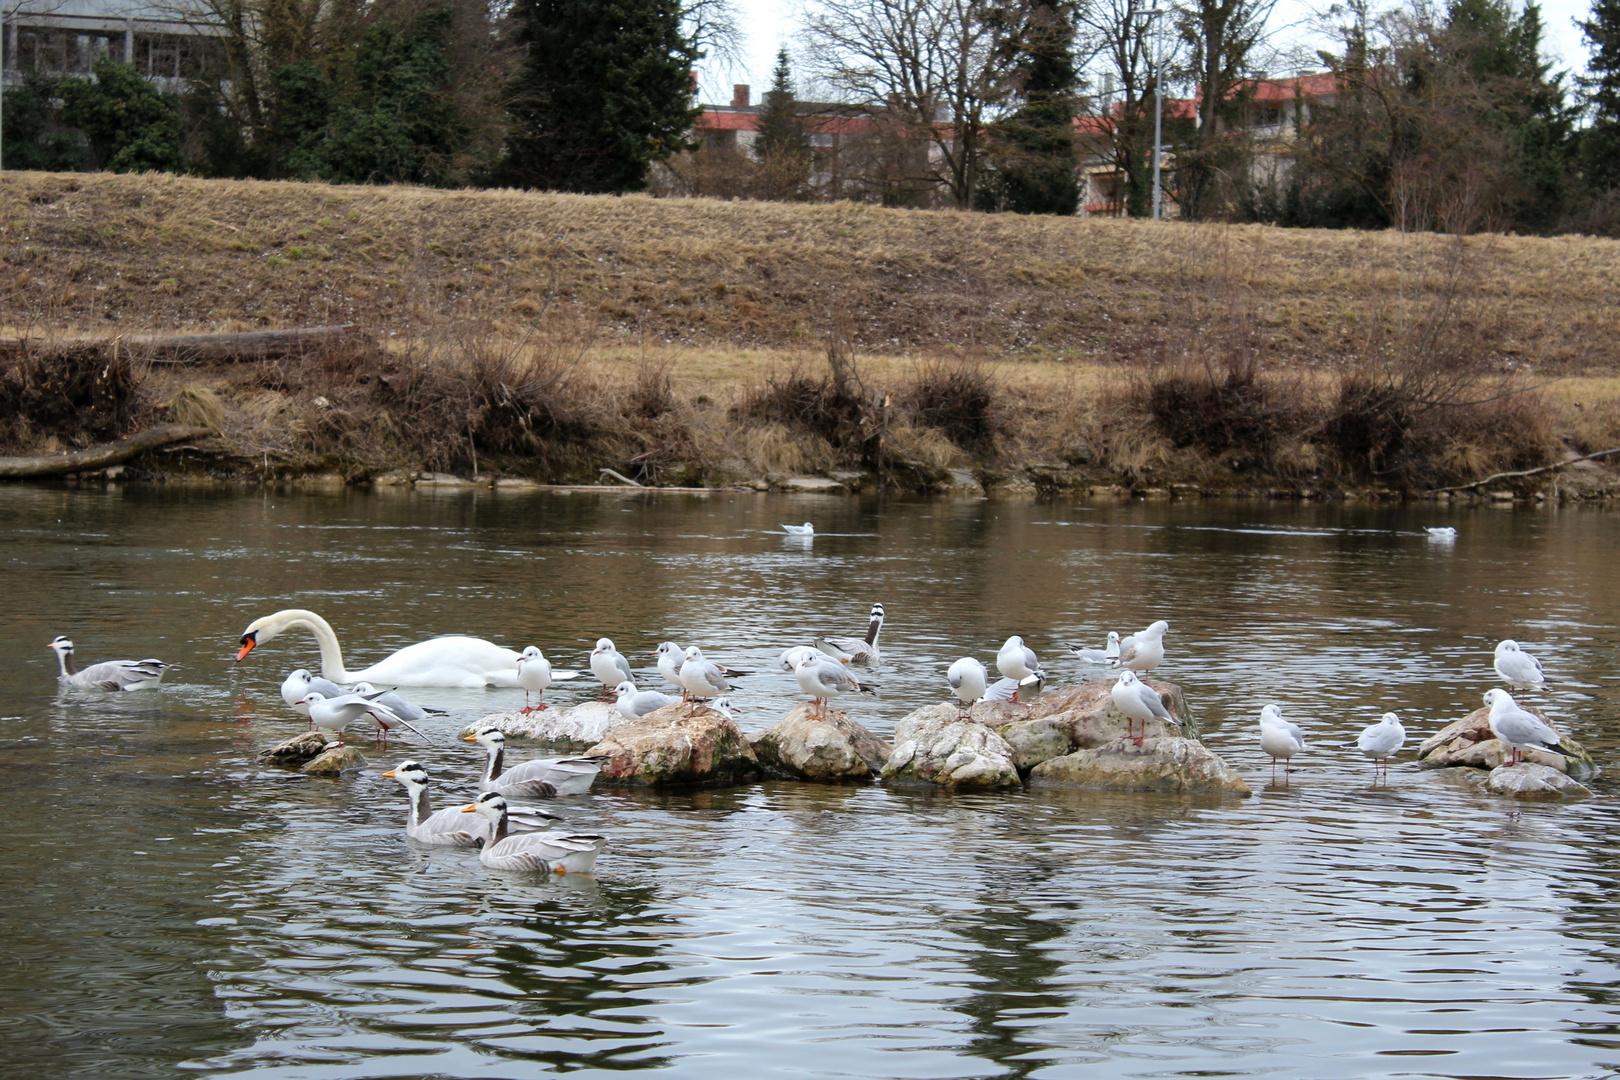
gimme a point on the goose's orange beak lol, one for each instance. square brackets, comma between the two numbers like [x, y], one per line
[469, 809]
[469, 738]
[390, 772]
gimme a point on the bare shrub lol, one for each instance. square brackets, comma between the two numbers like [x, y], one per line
[958, 399]
[1221, 409]
[78, 393]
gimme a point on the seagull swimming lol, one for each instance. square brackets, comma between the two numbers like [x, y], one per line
[1017, 662]
[806, 529]
[1517, 667]
[1280, 738]
[1139, 701]
[1382, 741]
[856, 650]
[1441, 532]
[610, 666]
[107, 675]
[967, 679]
[1518, 728]
[1096, 656]
[1144, 650]
[633, 704]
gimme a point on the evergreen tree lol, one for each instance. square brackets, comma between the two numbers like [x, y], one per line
[1600, 143]
[130, 125]
[781, 146]
[604, 90]
[33, 134]
[1033, 162]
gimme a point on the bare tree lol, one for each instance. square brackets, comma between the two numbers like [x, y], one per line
[931, 70]
[1118, 36]
[1226, 39]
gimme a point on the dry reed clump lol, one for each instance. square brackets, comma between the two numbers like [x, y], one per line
[196, 404]
[74, 393]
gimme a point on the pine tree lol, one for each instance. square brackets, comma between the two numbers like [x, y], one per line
[782, 147]
[605, 89]
[1600, 143]
[131, 125]
[1032, 159]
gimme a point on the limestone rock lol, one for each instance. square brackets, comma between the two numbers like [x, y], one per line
[817, 485]
[683, 743]
[335, 761]
[1070, 718]
[931, 745]
[1529, 781]
[1162, 763]
[1469, 742]
[836, 748]
[585, 723]
[301, 748]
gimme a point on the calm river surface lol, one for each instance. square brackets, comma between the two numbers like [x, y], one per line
[167, 904]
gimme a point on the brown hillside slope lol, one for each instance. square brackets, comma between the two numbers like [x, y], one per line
[91, 252]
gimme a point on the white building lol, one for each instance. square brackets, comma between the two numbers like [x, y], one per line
[169, 41]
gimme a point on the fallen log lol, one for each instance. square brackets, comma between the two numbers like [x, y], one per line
[197, 348]
[98, 457]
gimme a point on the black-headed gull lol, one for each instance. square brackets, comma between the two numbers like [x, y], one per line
[1144, 650]
[107, 675]
[633, 704]
[1382, 741]
[703, 679]
[1280, 738]
[1022, 690]
[405, 710]
[1517, 667]
[335, 714]
[449, 828]
[806, 529]
[534, 676]
[1442, 533]
[967, 678]
[856, 650]
[609, 666]
[1139, 701]
[789, 659]
[822, 677]
[1096, 656]
[301, 682]
[542, 778]
[1518, 729]
[544, 852]
[1017, 662]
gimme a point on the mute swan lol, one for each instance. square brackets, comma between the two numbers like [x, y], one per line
[967, 679]
[107, 675]
[856, 650]
[1017, 661]
[1139, 701]
[556, 852]
[444, 661]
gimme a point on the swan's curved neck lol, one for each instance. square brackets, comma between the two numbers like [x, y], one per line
[331, 653]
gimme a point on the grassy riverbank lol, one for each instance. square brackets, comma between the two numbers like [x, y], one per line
[689, 341]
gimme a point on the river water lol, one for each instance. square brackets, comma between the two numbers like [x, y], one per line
[168, 904]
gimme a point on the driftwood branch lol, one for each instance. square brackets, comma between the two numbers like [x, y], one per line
[1524, 472]
[197, 348]
[619, 476]
[98, 457]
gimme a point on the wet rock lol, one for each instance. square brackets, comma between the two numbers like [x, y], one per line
[961, 483]
[1529, 781]
[1469, 743]
[335, 761]
[1164, 763]
[585, 723]
[297, 750]
[683, 743]
[810, 748]
[816, 485]
[1070, 718]
[933, 746]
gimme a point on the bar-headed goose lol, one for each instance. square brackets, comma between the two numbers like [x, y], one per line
[546, 852]
[543, 778]
[856, 650]
[449, 827]
[107, 675]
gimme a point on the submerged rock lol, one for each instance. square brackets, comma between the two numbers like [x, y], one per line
[585, 723]
[683, 743]
[335, 761]
[933, 746]
[1530, 781]
[1162, 763]
[810, 748]
[1070, 718]
[1469, 742]
[294, 752]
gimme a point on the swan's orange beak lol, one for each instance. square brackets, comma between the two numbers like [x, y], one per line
[390, 772]
[469, 809]
[469, 738]
[248, 641]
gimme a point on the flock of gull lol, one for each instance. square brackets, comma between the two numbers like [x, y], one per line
[516, 835]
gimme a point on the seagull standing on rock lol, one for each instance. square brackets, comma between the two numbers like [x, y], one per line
[610, 666]
[703, 679]
[1518, 728]
[1139, 701]
[1280, 738]
[1144, 650]
[1018, 662]
[967, 679]
[534, 675]
[822, 677]
[1517, 667]
[1382, 741]
[633, 704]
